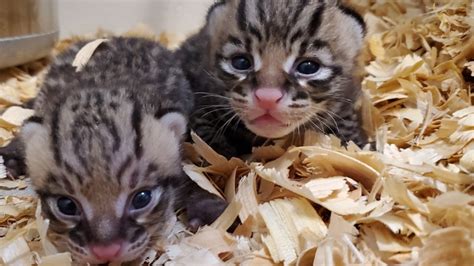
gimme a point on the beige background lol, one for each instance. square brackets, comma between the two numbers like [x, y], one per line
[85, 16]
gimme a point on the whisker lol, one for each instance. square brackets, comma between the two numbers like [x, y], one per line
[316, 109]
[214, 111]
[211, 107]
[321, 114]
[221, 117]
[235, 127]
[222, 129]
[335, 97]
[210, 95]
[334, 121]
[313, 124]
[213, 77]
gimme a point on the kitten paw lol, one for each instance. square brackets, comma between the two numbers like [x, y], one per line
[204, 211]
[13, 158]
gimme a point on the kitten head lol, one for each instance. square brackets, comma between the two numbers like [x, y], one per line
[105, 176]
[284, 64]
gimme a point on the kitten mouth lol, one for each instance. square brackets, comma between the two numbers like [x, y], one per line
[269, 125]
[267, 120]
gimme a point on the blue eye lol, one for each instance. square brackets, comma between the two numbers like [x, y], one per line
[308, 67]
[67, 206]
[241, 62]
[141, 199]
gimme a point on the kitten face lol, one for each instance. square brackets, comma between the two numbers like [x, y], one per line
[105, 177]
[284, 66]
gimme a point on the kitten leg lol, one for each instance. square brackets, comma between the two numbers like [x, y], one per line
[14, 157]
[202, 207]
[14, 153]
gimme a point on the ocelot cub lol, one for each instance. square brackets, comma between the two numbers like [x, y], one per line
[103, 151]
[265, 69]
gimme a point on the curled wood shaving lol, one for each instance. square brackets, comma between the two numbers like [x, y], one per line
[85, 54]
[14, 116]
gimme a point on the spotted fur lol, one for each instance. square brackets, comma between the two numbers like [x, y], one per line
[104, 134]
[276, 35]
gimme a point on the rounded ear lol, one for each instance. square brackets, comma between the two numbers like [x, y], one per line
[215, 8]
[176, 122]
[215, 14]
[349, 27]
[31, 127]
[39, 157]
[357, 21]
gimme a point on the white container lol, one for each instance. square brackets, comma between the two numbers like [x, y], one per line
[28, 30]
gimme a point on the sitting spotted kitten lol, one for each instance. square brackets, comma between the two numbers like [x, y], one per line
[104, 150]
[270, 68]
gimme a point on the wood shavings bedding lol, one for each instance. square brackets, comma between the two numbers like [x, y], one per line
[410, 201]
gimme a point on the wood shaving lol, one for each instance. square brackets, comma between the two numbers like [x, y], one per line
[409, 202]
[85, 54]
[3, 169]
[14, 116]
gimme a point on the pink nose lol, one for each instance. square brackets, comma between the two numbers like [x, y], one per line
[107, 253]
[268, 98]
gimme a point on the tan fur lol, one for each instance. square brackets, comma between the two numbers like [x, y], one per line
[99, 138]
[162, 145]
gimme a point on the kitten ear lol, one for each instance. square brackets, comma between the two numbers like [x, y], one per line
[39, 157]
[215, 13]
[176, 122]
[30, 127]
[356, 21]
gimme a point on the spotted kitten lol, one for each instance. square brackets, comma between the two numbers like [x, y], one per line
[269, 68]
[103, 149]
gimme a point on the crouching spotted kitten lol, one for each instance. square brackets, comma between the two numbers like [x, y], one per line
[269, 68]
[103, 150]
